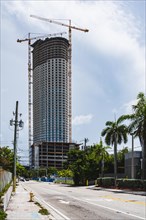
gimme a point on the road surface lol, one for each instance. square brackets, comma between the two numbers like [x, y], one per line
[84, 203]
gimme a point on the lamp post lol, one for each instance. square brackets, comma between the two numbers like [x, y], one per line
[132, 158]
[16, 123]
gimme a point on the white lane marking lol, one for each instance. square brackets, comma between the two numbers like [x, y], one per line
[125, 213]
[109, 200]
[105, 207]
[58, 212]
[62, 201]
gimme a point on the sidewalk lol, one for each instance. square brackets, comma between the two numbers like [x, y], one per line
[19, 207]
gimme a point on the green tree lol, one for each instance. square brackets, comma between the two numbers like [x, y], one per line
[6, 158]
[76, 163]
[87, 164]
[21, 171]
[7, 161]
[101, 155]
[137, 126]
[115, 133]
[65, 173]
[92, 163]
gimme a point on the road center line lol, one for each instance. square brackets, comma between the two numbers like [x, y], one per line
[124, 200]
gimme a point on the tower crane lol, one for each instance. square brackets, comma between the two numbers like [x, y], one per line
[70, 27]
[30, 80]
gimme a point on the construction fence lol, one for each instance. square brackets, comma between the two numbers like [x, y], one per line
[5, 178]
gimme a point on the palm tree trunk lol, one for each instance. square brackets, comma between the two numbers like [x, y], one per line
[115, 160]
[144, 154]
[102, 167]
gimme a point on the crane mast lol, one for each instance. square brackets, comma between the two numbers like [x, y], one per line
[70, 27]
[70, 82]
[30, 82]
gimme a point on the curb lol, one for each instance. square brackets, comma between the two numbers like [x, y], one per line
[140, 193]
[54, 214]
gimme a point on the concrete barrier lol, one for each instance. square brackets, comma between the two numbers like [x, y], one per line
[5, 178]
[6, 197]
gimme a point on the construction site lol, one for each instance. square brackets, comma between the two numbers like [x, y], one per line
[50, 96]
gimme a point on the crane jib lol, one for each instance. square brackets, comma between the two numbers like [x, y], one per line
[59, 23]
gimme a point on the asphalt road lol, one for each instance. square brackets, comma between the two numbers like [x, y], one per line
[82, 203]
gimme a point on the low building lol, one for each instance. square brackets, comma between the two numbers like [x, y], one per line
[137, 156]
[50, 154]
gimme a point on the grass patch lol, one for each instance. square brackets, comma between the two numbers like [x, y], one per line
[38, 204]
[42, 211]
[69, 182]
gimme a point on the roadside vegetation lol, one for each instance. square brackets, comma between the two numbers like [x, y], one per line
[93, 162]
[133, 184]
[3, 215]
[7, 161]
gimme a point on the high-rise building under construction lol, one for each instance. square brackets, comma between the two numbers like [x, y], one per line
[50, 102]
[50, 90]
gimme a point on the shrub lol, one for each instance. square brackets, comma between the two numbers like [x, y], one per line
[106, 181]
[3, 215]
[99, 181]
[132, 183]
[43, 211]
[122, 183]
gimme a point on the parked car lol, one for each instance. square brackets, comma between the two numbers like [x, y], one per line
[22, 179]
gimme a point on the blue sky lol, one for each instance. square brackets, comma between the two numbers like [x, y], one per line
[108, 63]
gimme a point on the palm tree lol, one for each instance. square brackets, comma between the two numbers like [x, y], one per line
[101, 151]
[115, 133]
[138, 126]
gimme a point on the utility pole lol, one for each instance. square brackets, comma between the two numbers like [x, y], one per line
[15, 145]
[16, 123]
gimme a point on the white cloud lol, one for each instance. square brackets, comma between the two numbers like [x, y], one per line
[82, 119]
[127, 107]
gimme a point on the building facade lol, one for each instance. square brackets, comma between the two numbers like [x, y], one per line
[137, 156]
[50, 90]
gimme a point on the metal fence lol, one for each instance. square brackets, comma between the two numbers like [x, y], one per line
[5, 178]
